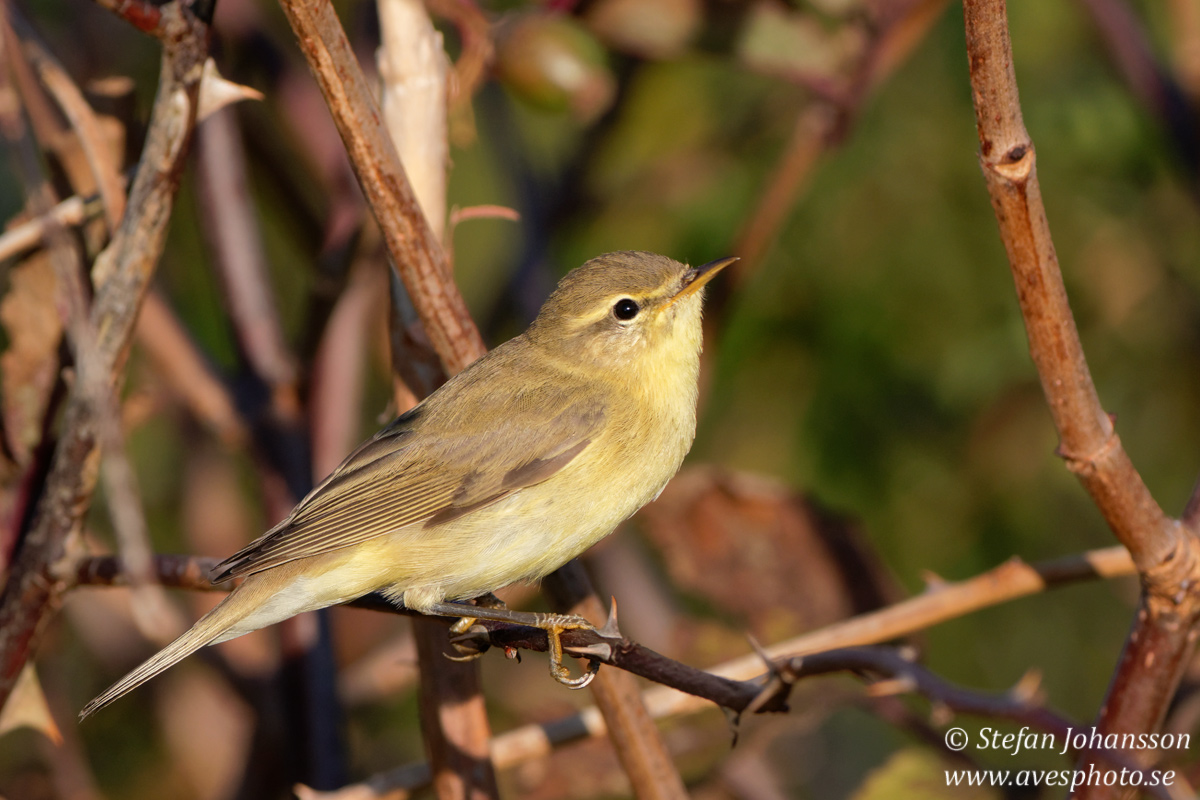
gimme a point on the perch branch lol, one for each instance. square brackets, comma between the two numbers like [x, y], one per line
[940, 603]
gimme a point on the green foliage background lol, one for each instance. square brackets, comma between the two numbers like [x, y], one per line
[876, 359]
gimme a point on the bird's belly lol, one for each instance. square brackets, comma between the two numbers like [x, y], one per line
[522, 537]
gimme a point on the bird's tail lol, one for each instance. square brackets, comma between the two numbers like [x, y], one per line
[213, 626]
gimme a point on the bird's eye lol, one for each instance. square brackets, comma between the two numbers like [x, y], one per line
[626, 309]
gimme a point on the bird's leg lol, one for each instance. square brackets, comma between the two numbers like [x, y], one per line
[464, 624]
[553, 624]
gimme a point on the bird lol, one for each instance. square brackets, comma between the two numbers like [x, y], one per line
[514, 466]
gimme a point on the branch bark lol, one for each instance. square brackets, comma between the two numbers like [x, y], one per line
[679, 694]
[415, 251]
[1163, 550]
[121, 278]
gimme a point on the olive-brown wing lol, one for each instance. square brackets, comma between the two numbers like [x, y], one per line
[412, 473]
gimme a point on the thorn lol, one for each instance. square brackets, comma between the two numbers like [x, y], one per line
[599, 650]
[734, 718]
[933, 581]
[758, 648]
[610, 630]
[904, 684]
[909, 653]
[216, 92]
[1028, 689]
[940, 714]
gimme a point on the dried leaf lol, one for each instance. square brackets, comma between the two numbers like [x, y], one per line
[27, 708]
[778, 40]
[773, 558]
[30, 364]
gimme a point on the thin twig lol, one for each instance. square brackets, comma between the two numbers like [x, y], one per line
[819, 127]
[110, 183]
[33, 232]
[188, 373]
[232, 233]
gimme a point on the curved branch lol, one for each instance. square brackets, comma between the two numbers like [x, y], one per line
[1087, 441]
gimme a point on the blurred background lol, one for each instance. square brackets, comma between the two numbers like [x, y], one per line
[870, 419]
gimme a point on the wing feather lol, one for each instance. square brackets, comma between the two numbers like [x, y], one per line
[409, 474]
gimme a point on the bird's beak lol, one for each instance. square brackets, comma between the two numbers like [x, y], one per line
[695, 278]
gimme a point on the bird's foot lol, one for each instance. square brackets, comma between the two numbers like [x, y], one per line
[553, 624]
[469, 649]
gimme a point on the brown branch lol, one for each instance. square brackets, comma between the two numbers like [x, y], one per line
[415, 251]
[474, 31]
[93, 383]
[122, 276]
[819, 127]
[106, 171]
[1185, 34]
[1164, 552]
[35, 232]
[232, 233]
[1088, 443]
[185, 369]
[634, 735]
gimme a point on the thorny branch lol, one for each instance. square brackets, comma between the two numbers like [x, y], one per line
[942, 602]
[121, 279]
[885, 670]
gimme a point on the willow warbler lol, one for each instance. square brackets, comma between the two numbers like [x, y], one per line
[513, 467]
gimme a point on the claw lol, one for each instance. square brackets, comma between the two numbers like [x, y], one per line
[555, 625]
[468, 639]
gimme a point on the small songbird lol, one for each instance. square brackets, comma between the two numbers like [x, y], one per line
[513, 467]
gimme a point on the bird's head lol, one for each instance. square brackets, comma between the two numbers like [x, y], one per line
[626, 308]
